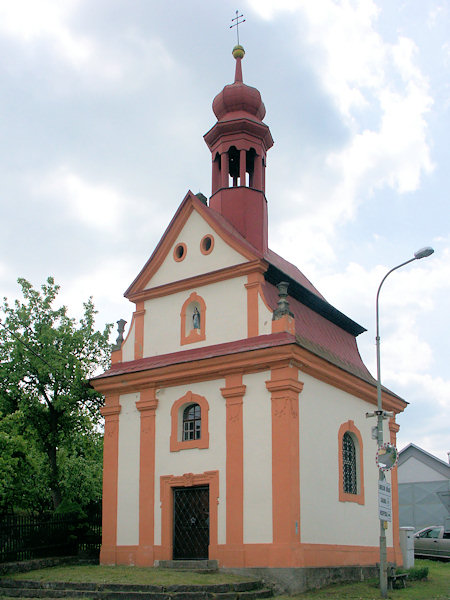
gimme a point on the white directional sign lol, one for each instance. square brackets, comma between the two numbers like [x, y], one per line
[384, 501]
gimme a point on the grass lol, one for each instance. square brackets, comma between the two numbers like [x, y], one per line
[130, 575]
[436, 587]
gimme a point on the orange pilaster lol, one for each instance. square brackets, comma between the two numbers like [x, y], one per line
[147, 405]
[111, 412]
[285, 388]
[233, 392]
[398, 558]
[285, 323]
[253, 286]
[139, 315]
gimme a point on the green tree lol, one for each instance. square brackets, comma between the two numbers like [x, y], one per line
[23, 475]
[46, 361]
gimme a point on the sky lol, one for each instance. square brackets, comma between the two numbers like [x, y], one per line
[103, 107]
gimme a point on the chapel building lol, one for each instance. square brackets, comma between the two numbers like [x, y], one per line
[235, 409]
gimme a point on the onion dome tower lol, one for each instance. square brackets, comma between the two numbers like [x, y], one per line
[238, 143]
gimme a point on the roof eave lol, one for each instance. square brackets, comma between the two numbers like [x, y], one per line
[274, 275]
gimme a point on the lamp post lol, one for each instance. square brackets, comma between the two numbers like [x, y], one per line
[422, 253]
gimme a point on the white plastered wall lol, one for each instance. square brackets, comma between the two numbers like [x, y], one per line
[128, 345]
[226, 317]
[324, 519]
[128, 472]
[257, 460]
[192, 460]
[264, 318]
[195, 262]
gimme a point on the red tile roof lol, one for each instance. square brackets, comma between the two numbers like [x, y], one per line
[184, 356]
[291, 270]
[321, 336]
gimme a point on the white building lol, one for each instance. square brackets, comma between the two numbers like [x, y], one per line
[424, 488]
[235, 425]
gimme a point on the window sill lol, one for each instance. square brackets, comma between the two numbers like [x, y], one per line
[356, 498]
[202, 443]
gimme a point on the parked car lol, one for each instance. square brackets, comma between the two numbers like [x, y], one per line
[432, 541]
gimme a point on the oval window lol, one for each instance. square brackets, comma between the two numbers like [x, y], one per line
[207, 244]
[179, 252]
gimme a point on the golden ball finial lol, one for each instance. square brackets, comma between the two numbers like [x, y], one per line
[238, 51]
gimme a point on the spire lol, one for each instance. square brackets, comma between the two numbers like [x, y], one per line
[238, 143]
[238, 99]
[238, 53]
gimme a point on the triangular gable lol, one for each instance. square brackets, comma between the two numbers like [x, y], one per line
[217, 223]
[429, 460]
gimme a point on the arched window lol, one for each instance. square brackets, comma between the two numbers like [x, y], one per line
[349, 464]
[192, 422]
[351, 468]
[189, 423]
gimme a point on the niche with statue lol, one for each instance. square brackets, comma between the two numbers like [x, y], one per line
[193, 317]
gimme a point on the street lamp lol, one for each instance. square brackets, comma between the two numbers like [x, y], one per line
[381, 415]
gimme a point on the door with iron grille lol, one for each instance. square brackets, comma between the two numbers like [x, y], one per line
[190, 523]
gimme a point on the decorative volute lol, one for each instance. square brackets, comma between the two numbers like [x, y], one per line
[238, 143]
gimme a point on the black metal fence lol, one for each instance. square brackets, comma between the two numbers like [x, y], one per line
[25, 537]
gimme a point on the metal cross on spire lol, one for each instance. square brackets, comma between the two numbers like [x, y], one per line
[236, 18]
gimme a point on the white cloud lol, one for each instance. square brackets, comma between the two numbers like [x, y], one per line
[30, 21]
[267, 8]
[368, 76]
[97, 61]
[96, 205]
[430, 399]
[106, 283]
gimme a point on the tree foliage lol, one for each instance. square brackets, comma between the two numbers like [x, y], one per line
[49, 412]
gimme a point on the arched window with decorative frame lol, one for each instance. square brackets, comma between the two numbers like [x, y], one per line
[190, 423]
[351, 468]
[349, 464]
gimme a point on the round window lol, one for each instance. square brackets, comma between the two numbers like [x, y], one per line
[207, 244]
[179, 252]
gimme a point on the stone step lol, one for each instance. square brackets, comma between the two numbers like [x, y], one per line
[190, 565]
[15, 588]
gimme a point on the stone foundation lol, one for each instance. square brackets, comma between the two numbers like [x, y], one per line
[297, 580]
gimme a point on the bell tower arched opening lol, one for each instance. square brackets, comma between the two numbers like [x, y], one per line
[238, 143]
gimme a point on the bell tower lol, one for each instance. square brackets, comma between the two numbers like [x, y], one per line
[238, 143]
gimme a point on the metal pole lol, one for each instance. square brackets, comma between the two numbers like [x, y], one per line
[381, 477]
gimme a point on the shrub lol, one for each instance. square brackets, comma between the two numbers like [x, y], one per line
[415, 573]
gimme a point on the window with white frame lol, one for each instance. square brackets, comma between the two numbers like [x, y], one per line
[192, 422]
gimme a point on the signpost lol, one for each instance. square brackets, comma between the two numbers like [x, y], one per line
[384, 501]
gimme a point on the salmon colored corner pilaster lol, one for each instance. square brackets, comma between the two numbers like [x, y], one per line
[167, 483]
[394, 429]
[350, 427]
[284, 323]
[253, 287]
[111, 412]
[138, 316]
[285, 388]
[147, 405]
[233, 392]
[116, 356]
